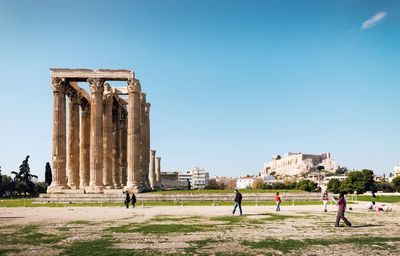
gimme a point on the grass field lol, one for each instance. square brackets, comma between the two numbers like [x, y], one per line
[29, 203]
[262, 233]
[223, 191]
[379, 198]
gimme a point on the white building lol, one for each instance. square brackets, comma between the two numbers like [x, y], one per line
[396, 171]
[244, 182]
[198, 178]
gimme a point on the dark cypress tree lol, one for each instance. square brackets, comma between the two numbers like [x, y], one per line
[47, 175]
[1, 177]
[25, 177]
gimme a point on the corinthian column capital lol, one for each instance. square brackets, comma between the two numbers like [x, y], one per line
[72, 94]
[96, 85]
[58, 84]
[133, 86]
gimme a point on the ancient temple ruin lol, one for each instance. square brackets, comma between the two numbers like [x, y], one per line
[107, 143]
[298, 164]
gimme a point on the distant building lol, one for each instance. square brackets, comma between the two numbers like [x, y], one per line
[396, 171]
[269, 179]
[244, 182]
[169, 180]
[198, 178]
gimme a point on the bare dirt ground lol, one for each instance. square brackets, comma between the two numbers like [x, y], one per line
[197, 230]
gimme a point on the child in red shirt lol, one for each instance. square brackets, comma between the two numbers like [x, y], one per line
[278, 202]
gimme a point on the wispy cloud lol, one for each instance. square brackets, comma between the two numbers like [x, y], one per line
[373, 20]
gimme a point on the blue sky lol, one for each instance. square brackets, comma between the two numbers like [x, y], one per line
[231, 82]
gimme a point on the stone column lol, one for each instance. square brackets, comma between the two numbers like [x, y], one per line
[158, 171]
[116, 147]
[108, 137]
[147, 142]
[73, 139]
[96, 135]
[143, 173]
[123, 145]
[133, 155]
[152, 173]
[84, 165]
[59, 138]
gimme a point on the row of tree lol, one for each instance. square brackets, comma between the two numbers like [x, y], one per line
[24, 183]
[362, 181]
[258, 183]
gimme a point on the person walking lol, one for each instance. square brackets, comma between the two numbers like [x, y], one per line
[127, 199]
[133, 200]
[341, 202]
[325, 199]
[278, 202]
[238, 202]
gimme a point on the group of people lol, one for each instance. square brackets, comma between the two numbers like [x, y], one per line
[238, 202]
[372, 206]
[129, 199]
[341, 203]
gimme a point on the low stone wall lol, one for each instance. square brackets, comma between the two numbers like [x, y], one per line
[154, 197]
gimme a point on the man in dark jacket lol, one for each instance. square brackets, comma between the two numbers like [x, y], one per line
[238, 202]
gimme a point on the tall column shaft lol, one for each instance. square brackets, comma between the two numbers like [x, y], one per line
[133, 156]
[108, 137]
[73, 139]
[59, 138]
[146, 146]
[96, 135]
[143, 173]
[116, 147]
[158, 170]
[123, 146]
[152, 174]
[84, 157]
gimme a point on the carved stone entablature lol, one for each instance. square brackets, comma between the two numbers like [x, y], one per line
[81, 75]
[58, 84]
[133, 86]
[96, 85]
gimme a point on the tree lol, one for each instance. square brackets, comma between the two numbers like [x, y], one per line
[258, 183]
[47, 175]
[214, 184]
[278, 185]
[384, 186]
[23, 179]
[341, 171]
[396, 183]
[306, 185]
[359, 182]
[334, 186]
